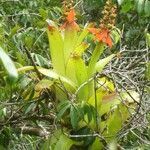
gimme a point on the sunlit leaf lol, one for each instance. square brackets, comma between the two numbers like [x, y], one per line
[116, 119]
[43, 13]
[82, 35]
[43, 84]
[64, 143]
[28, 92]
[91, 68]
[14, 30]
[81, 48]
[115, 34]
[59, 141]
[77, 72]
[148, 39]
[54, 75]
[97, 145]
[147, 73]
[9, 65]
[70, 38]
[70, 70]
[95, 56]
[40, 60]
[48, 73]
[56, 49]
[103, 62]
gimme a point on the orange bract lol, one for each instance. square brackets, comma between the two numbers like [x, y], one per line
[102, 35]
[50, 28]
[70, 20]
[71, 16]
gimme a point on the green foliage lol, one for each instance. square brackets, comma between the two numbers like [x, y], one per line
[148, 39]
[8, 65]
[140, 5]
[71, 100]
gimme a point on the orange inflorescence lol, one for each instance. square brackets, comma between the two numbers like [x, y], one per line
[102, 34]
[70, 19]
[109, 15]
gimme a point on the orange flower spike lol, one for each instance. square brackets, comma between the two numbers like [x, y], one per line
[109, 41]
[105, 37]
[70, 20]
[102, 35]
[71, 16]
[94, 31]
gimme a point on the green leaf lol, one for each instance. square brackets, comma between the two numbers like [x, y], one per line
[126, 6]
[148, 39]
[120, 2]
[81, 75]
[62, 111]
[80, 70]
[54, 75]
[148, 71]
[30, 107]
[64, 143]
[43, 84]
[115, 34]
[48, 73]
[40, 60]
[74, 116]
[14, 30]
[9, 65]
[118, 117]
[81, 48]
[88, 112]
[70, 39]
[59, 141]
[94, 58]
[28, 92]
[3, 112]
[147, 8]
[43, 13]
[70, 71]
[63, 104]
[112, 100]
[46, 145]
[97, 145]
[102, 63]
[91, 68]
[82, 36]
[77, 72]
[56, 50]
[140, 6]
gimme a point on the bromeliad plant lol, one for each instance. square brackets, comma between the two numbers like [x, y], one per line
[89, 110]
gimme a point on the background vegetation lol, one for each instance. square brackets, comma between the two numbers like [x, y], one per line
[23, 35]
